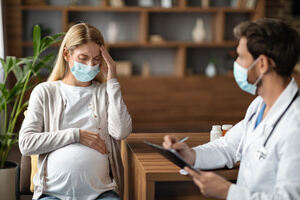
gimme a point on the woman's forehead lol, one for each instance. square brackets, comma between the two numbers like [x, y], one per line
[90, 49]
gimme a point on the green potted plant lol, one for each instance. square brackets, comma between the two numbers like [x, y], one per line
[12, 102]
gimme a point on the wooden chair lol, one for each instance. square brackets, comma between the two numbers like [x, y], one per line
[25, 173]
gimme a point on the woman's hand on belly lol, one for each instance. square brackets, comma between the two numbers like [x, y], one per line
[92, 140]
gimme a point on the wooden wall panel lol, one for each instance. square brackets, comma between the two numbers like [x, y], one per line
[161, 104]
[183, 104]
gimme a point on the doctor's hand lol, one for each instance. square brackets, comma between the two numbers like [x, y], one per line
[92, 140]
[210, 184]
[108, 68]
[183, 149]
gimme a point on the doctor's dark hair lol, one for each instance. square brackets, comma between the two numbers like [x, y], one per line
[77, 35]
[274, 39]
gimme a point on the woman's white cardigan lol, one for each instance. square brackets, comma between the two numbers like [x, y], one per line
[40, 132]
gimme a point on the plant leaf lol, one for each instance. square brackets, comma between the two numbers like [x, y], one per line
[3, 90]
[36, 40]
[10, 63]
[43, 62]
[14, 91]
[22, 61]
[47, 41]
[18, 73]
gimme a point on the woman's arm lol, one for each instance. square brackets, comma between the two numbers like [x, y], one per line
[32, 138]
[119, 120]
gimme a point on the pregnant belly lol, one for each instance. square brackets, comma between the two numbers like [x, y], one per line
[78, 158]
[77, 170]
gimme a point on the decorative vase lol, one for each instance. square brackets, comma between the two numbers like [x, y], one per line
[210, 70]
[199, 31]
[205, 3]
[166, 3]
[112, 32]
[116, 3]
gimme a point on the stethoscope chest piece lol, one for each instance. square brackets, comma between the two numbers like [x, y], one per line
[261, 153]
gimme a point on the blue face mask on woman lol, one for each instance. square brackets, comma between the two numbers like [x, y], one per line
[241, 77]
[84, 73]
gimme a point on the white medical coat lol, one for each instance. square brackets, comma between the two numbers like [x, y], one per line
[278, 175]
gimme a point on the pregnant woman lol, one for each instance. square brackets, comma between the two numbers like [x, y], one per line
[75, 122]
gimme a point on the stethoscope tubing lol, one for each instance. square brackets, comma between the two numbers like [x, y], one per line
[273, 128]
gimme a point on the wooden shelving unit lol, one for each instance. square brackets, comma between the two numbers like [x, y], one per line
[172, 99]
[145, 18]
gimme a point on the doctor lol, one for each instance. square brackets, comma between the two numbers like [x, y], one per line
[267, 140]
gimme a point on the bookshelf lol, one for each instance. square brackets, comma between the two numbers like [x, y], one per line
[177, 96]
[137, 24]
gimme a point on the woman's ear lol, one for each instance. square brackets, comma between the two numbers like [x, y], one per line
[66, 54]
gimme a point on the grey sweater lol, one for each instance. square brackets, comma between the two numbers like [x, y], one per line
[40, 133]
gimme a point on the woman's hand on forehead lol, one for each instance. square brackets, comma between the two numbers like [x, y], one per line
[109, 67]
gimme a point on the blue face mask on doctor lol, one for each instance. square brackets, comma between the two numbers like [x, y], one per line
[84, 73]
[241, 77]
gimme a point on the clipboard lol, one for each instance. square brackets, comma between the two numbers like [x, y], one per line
[172, 155]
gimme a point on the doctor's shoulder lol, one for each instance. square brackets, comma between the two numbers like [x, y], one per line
[294, 114]
[290, 125]
[289, 135]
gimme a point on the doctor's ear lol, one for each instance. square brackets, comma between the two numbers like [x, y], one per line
[66, 54]
[265, 63]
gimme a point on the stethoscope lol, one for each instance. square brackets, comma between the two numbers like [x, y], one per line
[261, 153]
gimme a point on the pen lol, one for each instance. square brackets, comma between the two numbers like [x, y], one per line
[183, 139]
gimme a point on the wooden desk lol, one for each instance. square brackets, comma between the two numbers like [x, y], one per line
[149, 176]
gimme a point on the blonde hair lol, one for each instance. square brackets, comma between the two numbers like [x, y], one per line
[77, 35]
